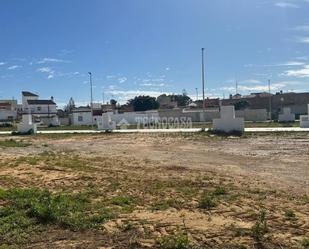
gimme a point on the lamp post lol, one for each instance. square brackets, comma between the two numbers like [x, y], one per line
[203, 84]
[269, 101]
[91, 98]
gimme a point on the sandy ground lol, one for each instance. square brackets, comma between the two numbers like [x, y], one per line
[263, 162]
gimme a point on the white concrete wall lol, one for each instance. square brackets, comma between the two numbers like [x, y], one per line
[287, 115]
[134, 117]
[228, 122]
[64, 121]
[86, 118]
[26, 98]
[5, 114]
[26, 124]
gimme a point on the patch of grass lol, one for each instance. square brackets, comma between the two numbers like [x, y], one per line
[122, 200]
[13, 143]
[176, 241]
[259, 229]
[166, 204]
[24, 210]
[50, 160]
[207, 201]
[305, 243]
[290, 214]
[219, 191]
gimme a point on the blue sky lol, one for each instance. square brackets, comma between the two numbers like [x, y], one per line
[151, 47]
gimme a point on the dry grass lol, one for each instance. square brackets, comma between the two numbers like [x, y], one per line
[145, 202]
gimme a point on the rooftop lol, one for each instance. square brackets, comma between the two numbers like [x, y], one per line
[29, 94]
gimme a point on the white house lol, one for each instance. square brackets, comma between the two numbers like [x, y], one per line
[8, 110]
[82, 115]
[42, 110]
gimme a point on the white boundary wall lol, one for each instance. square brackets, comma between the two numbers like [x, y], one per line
[228, 122]
[286, 115]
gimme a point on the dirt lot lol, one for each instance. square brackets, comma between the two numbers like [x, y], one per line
[155, 191]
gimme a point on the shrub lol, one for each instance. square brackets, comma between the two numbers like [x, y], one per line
[176, 241]
[259, 229]
[34, 206]
[289, 214]
[207, 202]
[219, 191]
[305, 243]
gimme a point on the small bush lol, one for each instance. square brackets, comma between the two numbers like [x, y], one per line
[176, 241]
[207, 202]
[289, 214]
[305, 243]
[33, 206]
[219, 191]
[259, 229]
[122, 200]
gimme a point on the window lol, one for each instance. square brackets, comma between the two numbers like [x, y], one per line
[80, 118]
[39, 108]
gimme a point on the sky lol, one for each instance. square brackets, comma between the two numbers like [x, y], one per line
[150, 47]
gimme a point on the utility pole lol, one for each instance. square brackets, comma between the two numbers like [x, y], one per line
[91, 98]
[203, 84]
[269, 100]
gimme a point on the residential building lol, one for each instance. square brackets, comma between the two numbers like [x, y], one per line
[82, 115]
[166, 101]
[43, 111]
[8, 110]
[296, 101]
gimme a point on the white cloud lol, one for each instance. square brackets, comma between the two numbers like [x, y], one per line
[286, 5]
[45, 70]
[302, 58]
[304, 39]
[2, 63]
[122, 79]
[255, 88]
[299, 73]
[262, 88]
[13, 67]
[289, 63]
[167, 69]
[48, 70]
[110, 77]
[51, 60]
[304, 28]
[250, 81]
[153, 84]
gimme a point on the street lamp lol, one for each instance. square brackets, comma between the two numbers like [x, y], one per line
[269, 91]
[91, 98]
[203, 84]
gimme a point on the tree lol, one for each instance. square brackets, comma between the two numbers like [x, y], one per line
[241, 105]
[113, 102]
[143, 103]
[182, 100]
[70, 106]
